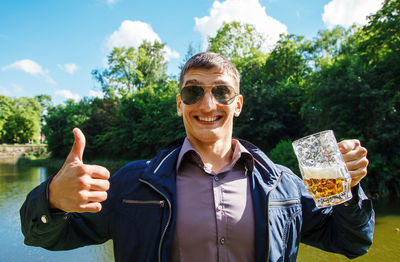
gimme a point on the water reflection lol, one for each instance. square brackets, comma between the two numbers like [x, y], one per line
[16, 182]
[386, 245]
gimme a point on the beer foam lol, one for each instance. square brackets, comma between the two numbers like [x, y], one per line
[322, 172]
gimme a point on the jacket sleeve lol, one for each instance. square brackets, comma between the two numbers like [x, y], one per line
[346, 228]
[55, 230]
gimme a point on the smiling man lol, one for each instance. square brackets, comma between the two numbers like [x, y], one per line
[207, 197]
[208, 121]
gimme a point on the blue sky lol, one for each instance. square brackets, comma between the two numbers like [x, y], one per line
[51, 47]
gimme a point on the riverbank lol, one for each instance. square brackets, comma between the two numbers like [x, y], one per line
[10, 154]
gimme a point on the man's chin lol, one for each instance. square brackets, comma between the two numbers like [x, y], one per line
[209, 137]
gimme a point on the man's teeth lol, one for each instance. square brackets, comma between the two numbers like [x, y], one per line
[208, 119]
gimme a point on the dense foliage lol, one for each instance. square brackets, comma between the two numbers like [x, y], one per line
[343, 79]
[21, 118]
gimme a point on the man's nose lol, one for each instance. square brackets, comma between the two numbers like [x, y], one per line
[208, 102]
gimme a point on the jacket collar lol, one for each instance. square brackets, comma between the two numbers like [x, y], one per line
[267, 170]
[160, 171]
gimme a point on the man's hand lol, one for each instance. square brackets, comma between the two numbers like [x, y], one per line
[356, 160]
[78, 187]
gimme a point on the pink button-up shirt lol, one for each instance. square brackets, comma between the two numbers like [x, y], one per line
[215, 219]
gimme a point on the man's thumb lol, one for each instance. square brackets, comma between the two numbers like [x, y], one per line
[78, 147]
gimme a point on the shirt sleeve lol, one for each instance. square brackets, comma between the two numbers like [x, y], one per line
[346, 228]
[58, 230]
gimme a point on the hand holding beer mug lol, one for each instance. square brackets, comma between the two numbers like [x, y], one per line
[324, 171]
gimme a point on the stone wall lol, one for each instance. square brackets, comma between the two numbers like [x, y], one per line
[11, 153]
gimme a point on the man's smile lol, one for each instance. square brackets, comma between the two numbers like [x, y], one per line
[208, 119]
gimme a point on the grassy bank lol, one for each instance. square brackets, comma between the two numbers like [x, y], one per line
[34, 161]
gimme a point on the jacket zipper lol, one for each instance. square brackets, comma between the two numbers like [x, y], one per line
[284, 203]
[144, 202]
[169, 216]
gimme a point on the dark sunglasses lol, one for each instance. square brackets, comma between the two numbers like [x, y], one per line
[224, 94]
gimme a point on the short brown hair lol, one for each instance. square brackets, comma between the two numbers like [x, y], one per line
[209, 60]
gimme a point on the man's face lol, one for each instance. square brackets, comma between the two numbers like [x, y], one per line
[208, 121]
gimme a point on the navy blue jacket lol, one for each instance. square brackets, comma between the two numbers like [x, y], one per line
[140, 214]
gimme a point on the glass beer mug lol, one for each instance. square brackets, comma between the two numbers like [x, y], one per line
[323, 169]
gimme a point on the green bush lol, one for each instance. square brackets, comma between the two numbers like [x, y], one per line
[283, 154]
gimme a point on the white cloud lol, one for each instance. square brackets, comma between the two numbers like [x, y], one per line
[26, 65]
[170, 54]
[98, 94]
[69, 68]
[244, 11]
[30, 67]
[349, 12]
[132, 33]
[67, 94]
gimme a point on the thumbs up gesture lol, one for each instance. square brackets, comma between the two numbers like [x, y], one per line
[78, 187]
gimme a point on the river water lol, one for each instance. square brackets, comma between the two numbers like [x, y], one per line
[16, 182]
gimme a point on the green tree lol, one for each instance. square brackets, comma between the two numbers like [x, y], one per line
[20, 120]
[44, 101]
[287, 61]
[60, 120]
[130, 69]
[6, 109]
[284, 154]
[236, 41]
[327, 46]
[103, 115]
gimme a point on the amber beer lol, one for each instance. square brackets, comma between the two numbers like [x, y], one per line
[326, 184]
[325, 187]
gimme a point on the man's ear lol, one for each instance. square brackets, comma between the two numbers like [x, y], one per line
[179, 105]
[238, 105]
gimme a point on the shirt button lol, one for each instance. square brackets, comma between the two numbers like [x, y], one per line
[44, 219]
[216, 178]
[219, 208]
[222, 241]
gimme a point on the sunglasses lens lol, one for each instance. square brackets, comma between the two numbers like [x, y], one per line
[224, 94]
[191, 94]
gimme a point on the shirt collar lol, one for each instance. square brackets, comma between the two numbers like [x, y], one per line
[186, 147]
[239, 152]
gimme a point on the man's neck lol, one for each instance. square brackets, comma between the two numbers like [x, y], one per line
[216, 154]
